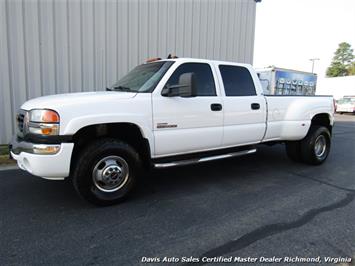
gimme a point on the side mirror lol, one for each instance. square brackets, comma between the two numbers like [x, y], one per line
[185, 88]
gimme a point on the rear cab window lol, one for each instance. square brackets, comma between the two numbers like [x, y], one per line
[237, 81]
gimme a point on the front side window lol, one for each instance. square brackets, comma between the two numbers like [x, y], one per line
[237, 81]
[143, 78]
[203, 76]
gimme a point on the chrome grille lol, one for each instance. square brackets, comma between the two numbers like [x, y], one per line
[21, 122]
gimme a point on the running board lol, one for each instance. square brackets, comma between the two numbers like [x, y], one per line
[204, 159]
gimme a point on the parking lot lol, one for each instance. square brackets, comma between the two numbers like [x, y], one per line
[260, 205]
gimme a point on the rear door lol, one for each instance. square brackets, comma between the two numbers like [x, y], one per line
[244, 110]
[185, 125]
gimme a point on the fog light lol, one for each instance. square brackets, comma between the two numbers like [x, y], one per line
[45, 149]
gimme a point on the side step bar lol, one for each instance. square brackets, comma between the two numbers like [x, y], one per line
[204, 159]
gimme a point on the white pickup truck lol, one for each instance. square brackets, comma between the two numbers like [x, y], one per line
[161, 114]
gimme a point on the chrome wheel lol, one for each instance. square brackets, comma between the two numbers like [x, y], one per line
[320, 146]
[110, 173]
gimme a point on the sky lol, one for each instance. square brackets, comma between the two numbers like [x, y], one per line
[290, 32]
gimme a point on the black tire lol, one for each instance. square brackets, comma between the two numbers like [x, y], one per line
[293, 150]
[308, 145]
[105, 153]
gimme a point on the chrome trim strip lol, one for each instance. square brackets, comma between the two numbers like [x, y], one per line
[204, 159]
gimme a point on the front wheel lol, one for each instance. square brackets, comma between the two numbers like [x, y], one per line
[106, 171]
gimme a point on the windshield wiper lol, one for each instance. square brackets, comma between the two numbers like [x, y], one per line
[121, 88]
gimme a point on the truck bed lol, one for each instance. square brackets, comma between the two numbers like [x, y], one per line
[289, 116]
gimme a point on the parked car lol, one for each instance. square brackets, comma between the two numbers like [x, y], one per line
[346, 105]
[161, 114]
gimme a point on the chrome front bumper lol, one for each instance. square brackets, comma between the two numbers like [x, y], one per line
[50, 161]
[22, 146]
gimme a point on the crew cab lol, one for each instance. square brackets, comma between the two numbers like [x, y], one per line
[164, 113]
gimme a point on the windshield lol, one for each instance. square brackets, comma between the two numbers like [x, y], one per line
[142, 78]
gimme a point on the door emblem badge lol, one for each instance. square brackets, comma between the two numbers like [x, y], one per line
[165, 125]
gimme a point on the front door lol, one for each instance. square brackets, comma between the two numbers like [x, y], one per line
[193, 124]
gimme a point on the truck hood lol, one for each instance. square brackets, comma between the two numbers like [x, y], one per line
[56, 102]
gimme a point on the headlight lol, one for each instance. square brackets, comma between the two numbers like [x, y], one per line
[43, 122]
[44, 116]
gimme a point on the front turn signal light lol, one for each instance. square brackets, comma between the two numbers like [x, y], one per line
[44, 129]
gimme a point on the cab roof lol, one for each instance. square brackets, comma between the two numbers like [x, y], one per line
[199, 60]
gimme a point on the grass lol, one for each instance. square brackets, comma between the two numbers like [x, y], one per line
[4, 155]
[4, 160]
[4, 149]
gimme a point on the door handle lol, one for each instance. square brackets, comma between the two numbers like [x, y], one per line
[216, 107]
[255, 106]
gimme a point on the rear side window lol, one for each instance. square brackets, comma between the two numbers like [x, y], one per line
[203, 77]
[237, 81]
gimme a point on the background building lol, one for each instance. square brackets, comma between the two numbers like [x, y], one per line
[59, 46]
[338, 86]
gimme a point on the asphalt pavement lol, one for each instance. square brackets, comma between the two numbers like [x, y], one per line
[262, 205]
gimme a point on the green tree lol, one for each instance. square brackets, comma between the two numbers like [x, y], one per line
[342, 62]
[352, 69]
